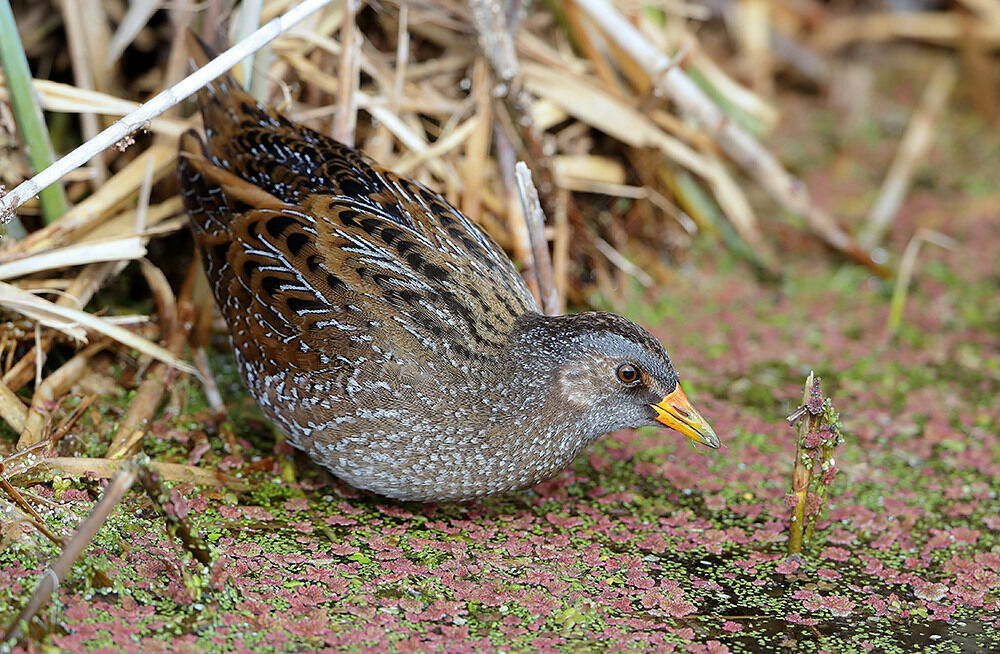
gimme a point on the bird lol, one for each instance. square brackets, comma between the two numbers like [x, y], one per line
[385, 334]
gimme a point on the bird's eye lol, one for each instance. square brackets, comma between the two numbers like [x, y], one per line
[627, 374]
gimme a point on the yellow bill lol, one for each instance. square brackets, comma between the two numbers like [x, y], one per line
[676, 412]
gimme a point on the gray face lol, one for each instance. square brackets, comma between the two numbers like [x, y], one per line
[613, 380]
[602, 372]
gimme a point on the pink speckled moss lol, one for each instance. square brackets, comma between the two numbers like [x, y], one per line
[647, 543]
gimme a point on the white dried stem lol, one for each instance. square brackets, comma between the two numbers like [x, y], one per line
[160, 103]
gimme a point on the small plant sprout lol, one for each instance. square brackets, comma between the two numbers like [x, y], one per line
[819, 434]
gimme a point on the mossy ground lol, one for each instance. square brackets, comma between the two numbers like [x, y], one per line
[647, 541]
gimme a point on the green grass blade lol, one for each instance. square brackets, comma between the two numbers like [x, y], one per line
[28, 114]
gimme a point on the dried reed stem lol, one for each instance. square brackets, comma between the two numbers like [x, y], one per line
[535, 220]
[941, 28]
[91, 212]
[176, 325]
[560, 249]
[36, 520]
[80, 290]
[249, 22]
[907, 265]
[918, 138]
[477, 148]
[82, 75]
[107, 468]
[71, 322]
[619, 261]
[345, 121]
[12, 411]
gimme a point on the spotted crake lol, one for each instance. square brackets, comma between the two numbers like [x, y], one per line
[387, 335]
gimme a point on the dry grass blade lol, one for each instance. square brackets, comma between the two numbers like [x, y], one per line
[56, 96]
[907, 266]
[79, 292]
[739, 144]
[138, 14]
[517, 228]
[122, 249]
[535, 220]
[622, 263]
[442, 146]
[76, 39]
[918, 138]
[177, 320]
[248, 23]
[346, 119]
[583, 37]
[989, 10]
[125, 224]
[588, 103]
[70, 322]
[738, 96]
[12, 410]
[495, 29]
[495, 37]
[560, 249]
[392, 121]
[211, 387]
[67, 423]
[96, 29]
[477, 148]
[578, 171]
[933, 27]
[35, 519]
[39, 310]
[95, 209]
[751, 27]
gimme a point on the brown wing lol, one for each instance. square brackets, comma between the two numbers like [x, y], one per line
[341, 231]
[268, 276]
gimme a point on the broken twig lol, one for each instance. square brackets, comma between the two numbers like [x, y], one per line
[535, 220]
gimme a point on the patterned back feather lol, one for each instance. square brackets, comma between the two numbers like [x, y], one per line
[305, 234]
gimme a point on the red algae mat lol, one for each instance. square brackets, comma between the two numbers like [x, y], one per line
[647, 543]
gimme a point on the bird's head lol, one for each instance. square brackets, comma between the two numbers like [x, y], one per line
[605, 373]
